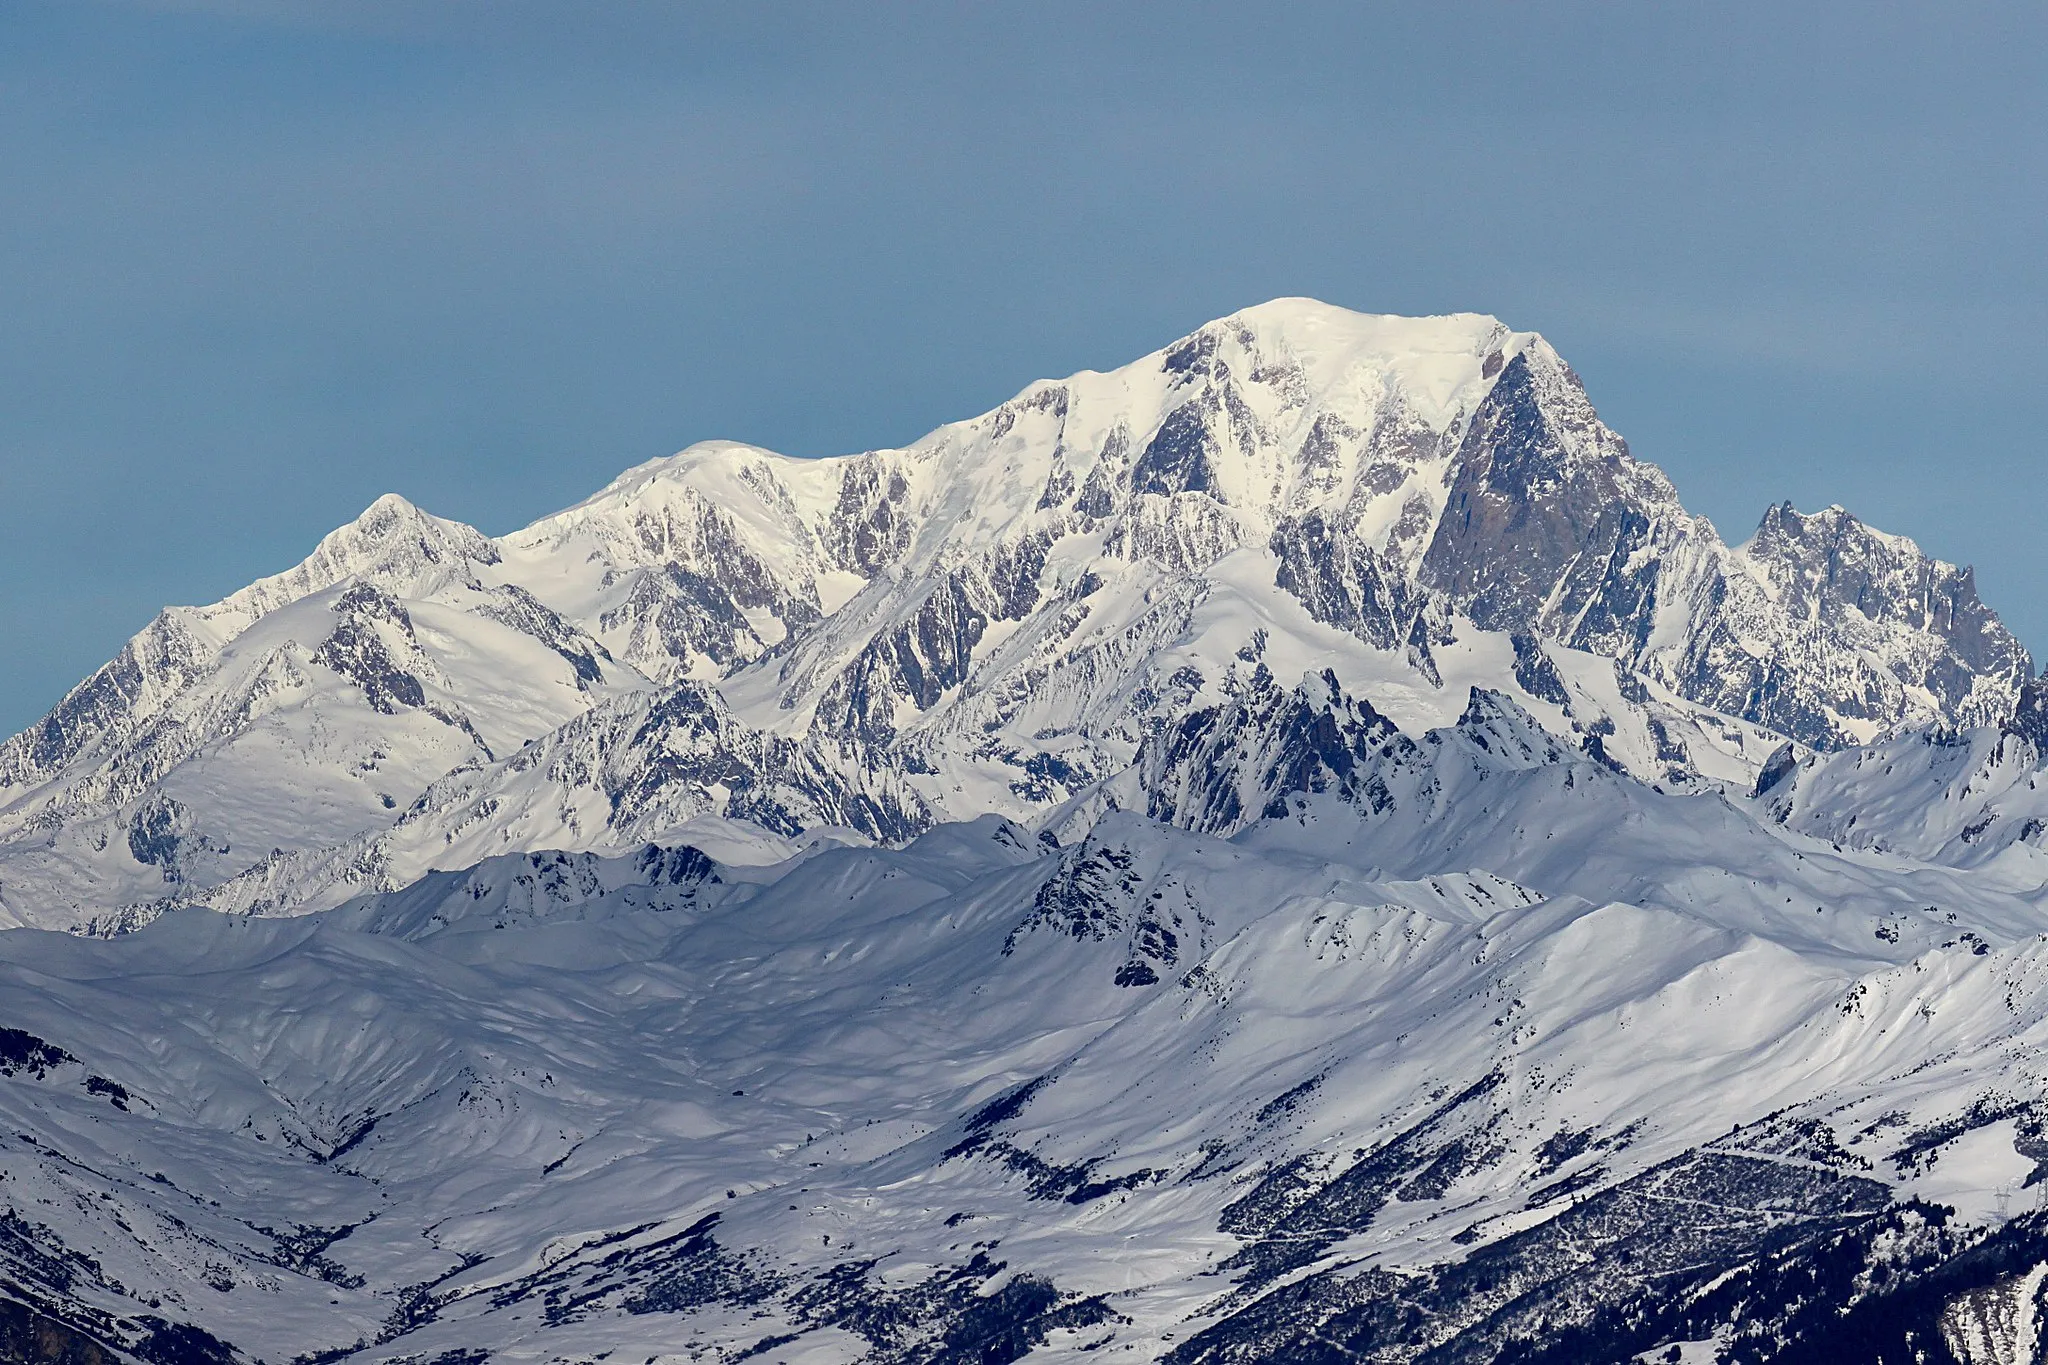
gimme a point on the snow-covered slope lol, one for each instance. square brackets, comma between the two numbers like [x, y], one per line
[299, 711]
[1968, 798]
[302, 711]
[1152, 1093]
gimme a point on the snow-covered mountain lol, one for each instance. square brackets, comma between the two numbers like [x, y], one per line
[296, 711]
[1299, 848]
[998, 618]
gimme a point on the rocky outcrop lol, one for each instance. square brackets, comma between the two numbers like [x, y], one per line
[1222, 767]
[1830, 632]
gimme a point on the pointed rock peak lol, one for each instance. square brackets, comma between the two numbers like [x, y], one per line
[393, 520]
[1883, 574]
[393, 544]
[1323, 693]
[2030, 716]
[1782, 764]
[1787, 519]
[1496, 724]
[1486, 708]
[1785, 526]
[386, 508]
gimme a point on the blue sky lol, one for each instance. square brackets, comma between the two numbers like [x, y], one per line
[260, 262]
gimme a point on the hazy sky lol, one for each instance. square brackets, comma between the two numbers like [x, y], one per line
[260, 262]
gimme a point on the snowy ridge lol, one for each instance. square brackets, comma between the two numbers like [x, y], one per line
[290, 716]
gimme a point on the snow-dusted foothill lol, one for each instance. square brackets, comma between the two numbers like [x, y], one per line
[1152, 1091]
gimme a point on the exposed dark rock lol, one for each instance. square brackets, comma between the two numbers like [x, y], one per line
[24, 1052]
[687, 741]
[1546, 521]
[679, 613]
[359, 653]
[872, 527]
[1179, 457]
[1344, 582]
[1782, 763]
[165, 653]
[945, 1319]
[1614, 1274]
[1848, 585]
[29, 1338]
[695, 1271]
[1223, 766]
[177, 1343]
[1294, 1217]
[917, 662]
[2030, 715]
[1536, 674]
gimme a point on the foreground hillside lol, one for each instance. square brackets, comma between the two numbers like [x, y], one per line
[1658, 1074]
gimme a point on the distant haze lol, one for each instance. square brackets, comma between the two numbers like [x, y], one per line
[261, 262]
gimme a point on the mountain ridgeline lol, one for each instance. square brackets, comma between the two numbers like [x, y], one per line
[1003, 617]
[1299, 848]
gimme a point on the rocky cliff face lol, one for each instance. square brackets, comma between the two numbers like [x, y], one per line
[1835, 631]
